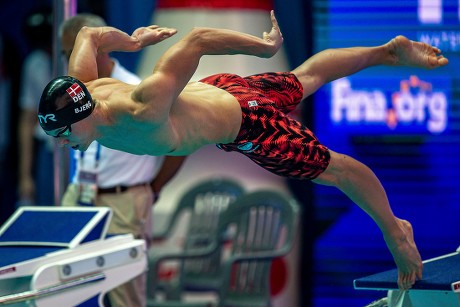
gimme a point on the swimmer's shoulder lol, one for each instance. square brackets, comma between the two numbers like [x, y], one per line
[108, 83]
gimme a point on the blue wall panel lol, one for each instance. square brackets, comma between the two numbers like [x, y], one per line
[414, 150]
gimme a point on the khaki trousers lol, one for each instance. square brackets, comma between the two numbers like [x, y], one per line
[132, 213]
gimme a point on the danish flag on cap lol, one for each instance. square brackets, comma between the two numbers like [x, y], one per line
[74, 90]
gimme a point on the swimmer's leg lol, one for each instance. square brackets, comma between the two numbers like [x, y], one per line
[361, 185]
[332, 64]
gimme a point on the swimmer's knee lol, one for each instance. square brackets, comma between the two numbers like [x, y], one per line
[311, 82]
[336, 172]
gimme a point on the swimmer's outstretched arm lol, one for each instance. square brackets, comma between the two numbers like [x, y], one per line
[178, 64]
[93, 40]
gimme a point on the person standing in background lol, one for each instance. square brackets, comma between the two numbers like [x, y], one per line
[10, 61]
[111, 178]
[35, 147]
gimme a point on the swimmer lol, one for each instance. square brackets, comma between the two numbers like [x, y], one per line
[166, 114]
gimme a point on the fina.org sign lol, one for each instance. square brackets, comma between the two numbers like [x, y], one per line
[414, 105]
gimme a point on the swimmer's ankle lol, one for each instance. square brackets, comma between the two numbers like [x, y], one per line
[401, 234]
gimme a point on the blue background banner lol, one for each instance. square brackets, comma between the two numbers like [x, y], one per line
[403, 123]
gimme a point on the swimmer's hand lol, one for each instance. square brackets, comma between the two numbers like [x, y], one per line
[152, 35]
[275, 37]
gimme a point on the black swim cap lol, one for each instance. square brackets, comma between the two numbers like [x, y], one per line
[65, 100]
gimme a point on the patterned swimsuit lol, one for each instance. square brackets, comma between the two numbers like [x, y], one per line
[268, 136]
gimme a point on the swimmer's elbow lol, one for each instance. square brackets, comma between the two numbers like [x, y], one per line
[211, 41]
[202, 40]
[197, 38]
[87, 32]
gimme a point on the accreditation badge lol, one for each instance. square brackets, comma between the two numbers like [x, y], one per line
[88, 188]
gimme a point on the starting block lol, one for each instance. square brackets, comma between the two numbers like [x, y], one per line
[62, 256]
[440, 285]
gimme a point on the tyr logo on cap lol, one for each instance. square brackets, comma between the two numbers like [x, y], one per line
[44, 118]
[75, 92]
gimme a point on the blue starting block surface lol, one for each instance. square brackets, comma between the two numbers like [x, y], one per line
[440, 274]
[32, 232]
[62, 256]
[11, 255]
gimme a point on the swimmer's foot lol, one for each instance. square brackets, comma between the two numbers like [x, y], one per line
[405, 255]
[406, 52]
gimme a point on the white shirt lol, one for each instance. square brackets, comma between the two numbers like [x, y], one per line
[116, 167]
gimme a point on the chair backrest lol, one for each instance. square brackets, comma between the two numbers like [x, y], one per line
[207, 202]
[204, 203]
[260, 226]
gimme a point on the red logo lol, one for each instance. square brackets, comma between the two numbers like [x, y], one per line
[74, 89]
[75, 92]
[456, 286]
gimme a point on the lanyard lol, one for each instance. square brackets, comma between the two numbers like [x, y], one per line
[96, 158]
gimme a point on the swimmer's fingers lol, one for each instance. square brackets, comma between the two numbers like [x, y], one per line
[405, 281]
[152, 35]
[274, 38]
[273, 19]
